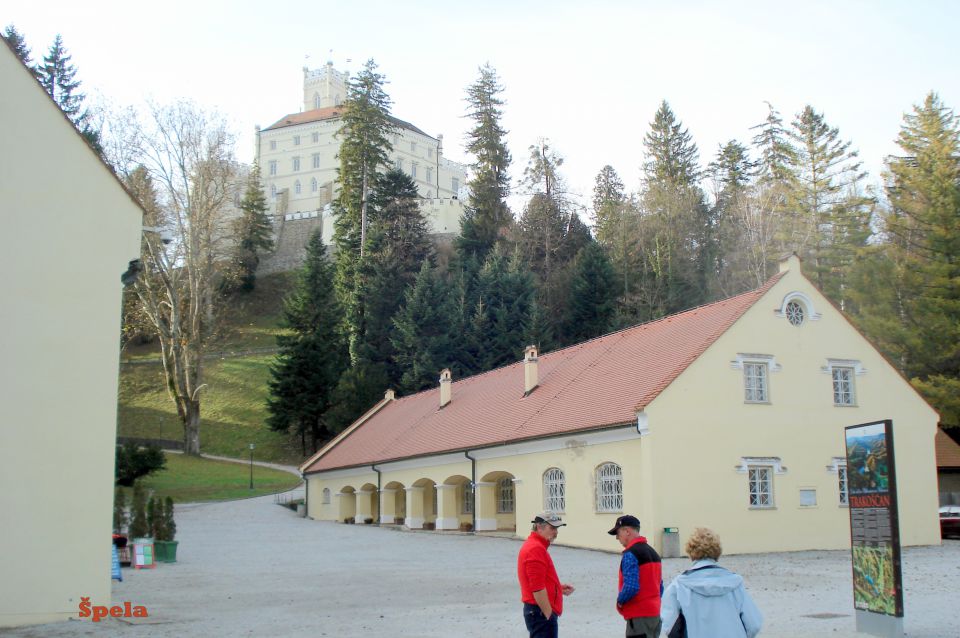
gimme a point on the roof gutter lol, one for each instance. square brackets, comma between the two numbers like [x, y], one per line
[473, 487]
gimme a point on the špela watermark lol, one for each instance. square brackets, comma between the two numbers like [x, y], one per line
[99, 612]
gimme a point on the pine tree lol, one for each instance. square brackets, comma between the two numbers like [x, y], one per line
[312, 356]
[502, 315]
[363, 154]
[423, 331]
[776, 152]
[399, 243]
[592, 295]
[254, 234]
[486, 215]
[57, 76]
[672, 156]
[921, 292]
[831, 213]
[19, 46]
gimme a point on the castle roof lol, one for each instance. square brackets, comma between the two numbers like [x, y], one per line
[593, 385]
[331, 113]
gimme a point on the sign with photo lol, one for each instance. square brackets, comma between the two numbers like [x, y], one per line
[874, 523]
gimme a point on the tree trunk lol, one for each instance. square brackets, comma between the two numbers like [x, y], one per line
[191, 428]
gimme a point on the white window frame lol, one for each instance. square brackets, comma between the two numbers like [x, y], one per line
[748, 362]
[296, 187]
[609, 478]
[273, 167]
[455, 185]
[313, 185]
[844, 391]
[749, 463]
[760, 486]
[413, 170]
[273, 145]
[554, 490]
[428, 174]
[756, 382]
[506, 502]
[315, 138]
[296, 164]
[296, 140]
[316, 160]
[809, 311]
[856, 369]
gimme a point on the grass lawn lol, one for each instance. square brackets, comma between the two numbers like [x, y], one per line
[189, 479]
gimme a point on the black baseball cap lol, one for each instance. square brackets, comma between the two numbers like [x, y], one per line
[624, 521]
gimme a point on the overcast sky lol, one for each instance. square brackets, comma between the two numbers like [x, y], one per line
[588, 76]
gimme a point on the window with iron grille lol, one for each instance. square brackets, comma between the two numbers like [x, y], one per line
[795, 313]
[843, 386]
[842, 484]
[505, 496]
[554, 490]
[467, 500]
[755, 382]
[326, 496]
[609, 488]
[761, 486]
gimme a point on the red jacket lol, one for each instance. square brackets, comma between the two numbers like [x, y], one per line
[646, 602]
[535, 571]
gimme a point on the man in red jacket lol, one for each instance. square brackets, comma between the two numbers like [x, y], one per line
[641, 580]
[540, 587]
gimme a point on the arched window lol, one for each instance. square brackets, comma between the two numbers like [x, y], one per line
[296, 187]
[609, 488]
[795, 313]
[554, 490]
[316, 101]
[313, 185]
[505, 496]
[326, 496]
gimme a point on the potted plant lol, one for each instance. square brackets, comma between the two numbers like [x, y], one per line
[165, 531]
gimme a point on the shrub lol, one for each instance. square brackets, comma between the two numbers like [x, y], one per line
[134, 462]
[138, 525]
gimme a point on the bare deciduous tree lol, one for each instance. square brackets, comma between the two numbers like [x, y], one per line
[187, 181]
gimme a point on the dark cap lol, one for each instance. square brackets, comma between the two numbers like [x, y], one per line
[550, 518]
[625, 521]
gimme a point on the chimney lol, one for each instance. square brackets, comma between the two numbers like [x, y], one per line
[389, 395]
[530, 379]
[444, 387]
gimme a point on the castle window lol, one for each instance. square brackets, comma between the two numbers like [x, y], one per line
[273, 190]
[413, 148]
[273, 145]
[430, 152]
[315, 138]
[273, 167]
[316, 160]
[413, 170]
[316, 103]
[455, 185]
[296, 164]
[296, 140]
[428, 174]
[296, 187]
[313, 185]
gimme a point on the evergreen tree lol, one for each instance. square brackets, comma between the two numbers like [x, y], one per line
[423, 331]
[776, 152]
[911, 303]
[399, 244]
[58, 78]
[592, 295]
[19, 46]
[363, 154]
[359, 387]
[486, 215]
[830, 213]
[503, 312]
[312, 356]
[677, 246]
[254, 234]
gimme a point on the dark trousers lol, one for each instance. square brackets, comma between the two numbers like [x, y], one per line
[539, 625]
[644, 627]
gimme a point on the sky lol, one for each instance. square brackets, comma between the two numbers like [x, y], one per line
[587, 76]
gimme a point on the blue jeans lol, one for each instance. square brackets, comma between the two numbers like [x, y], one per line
[539, 625]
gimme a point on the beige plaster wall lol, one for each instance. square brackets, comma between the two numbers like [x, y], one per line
[700, 428]
[69, 231]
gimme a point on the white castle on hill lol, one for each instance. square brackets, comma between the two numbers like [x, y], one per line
[298, 160]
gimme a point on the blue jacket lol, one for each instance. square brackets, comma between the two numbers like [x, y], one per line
[714, 603]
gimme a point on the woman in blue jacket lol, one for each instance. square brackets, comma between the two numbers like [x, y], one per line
[711, 599]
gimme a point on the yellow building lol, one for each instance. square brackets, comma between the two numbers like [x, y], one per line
[70, 231]
[729, 416]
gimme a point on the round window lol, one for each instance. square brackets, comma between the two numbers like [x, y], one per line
[795, 313]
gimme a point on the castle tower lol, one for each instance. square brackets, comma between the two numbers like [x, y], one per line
[324, 87]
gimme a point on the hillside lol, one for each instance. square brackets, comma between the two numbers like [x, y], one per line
[233, 408]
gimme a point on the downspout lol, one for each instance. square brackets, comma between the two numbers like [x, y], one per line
[473, 486]
[379, 504]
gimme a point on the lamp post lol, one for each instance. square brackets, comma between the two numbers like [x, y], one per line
[251, 466]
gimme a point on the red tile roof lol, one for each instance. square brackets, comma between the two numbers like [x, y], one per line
[330, 113]
[592, 385]
[948, 451]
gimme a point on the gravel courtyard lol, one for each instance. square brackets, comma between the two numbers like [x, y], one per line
[252, 568]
